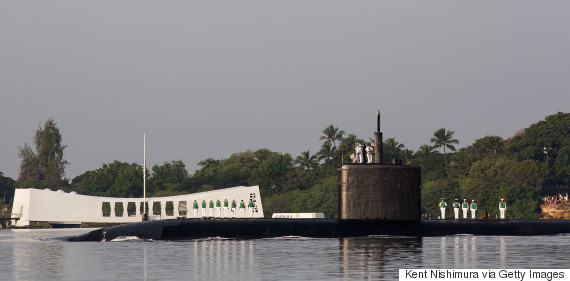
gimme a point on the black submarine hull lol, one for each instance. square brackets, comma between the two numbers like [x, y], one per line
[320, 228]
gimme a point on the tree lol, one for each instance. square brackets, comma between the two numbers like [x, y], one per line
[444, 138]
[209, 163]
[425, 150]
[168, 176]
[392, 149]
[6, 188]
[562, 165]
[47, 162]
[545, 141]
[271, 171]
[326, 153]
[493, 146]
[116, 179]
[29, 166]
[347, 144]
[306, 160]
[332, 133]
[408, 156]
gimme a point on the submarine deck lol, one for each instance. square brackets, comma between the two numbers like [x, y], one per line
[319, 228]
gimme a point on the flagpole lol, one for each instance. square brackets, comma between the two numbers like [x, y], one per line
[145, 217]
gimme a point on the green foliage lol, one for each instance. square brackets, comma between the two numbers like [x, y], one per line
[489, 146]
[169, 208]
[156, 208]
[523, 201]
[326, 153]
[444, 138]
[561, 167]
[460, 164]
[272, 170]
[33, 183]
[392, 150]
[47, 162]
[546, 141]
[117, 179]
[332, 134]
[167, 178]
[7, 186]
[321, 197]
[106, 208]
[433, 191]
[432, 166]
[306, 160]
[141, 208]
[119, 208]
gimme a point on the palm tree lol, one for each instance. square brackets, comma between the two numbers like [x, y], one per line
[326, 152]
[332, 133]
[392, 148]
[443, 138]
[494, 143]
[426, 150]
[306, 160]
[408, 156]
[347, 144]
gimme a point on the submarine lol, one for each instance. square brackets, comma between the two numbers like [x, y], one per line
[373, 199]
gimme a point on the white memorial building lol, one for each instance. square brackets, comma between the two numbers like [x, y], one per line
[59, 207]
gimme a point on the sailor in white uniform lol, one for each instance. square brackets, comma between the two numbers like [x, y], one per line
[203, 208]
[502, 208]
[195, 207]
[250, 208]
[473, 208]
[369, 150]
[465, 208]
[456, 209]
[242, 209]
[226, 207]
[442, 206]
[357, 154]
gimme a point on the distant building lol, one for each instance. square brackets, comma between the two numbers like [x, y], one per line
[58, 207]
[298, 216]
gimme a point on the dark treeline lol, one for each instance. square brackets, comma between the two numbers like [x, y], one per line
[519, 169]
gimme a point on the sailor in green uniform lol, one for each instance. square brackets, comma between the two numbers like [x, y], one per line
[442, 206]
[456, 209]
[473, 208]
[250, 208]
[233, 208]
[211, 209]
[242, 209]
[502, 208]
[203, 208]
[218, 208]
[195, 207]
[465, 208]
[225, 208]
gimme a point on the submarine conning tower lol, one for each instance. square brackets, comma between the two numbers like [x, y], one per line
[377, 191]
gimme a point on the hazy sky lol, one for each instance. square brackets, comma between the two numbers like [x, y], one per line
[210, 78]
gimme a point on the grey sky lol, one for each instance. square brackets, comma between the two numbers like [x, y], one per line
[210, 78]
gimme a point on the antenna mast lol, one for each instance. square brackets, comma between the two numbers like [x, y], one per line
[378, 140]
[145, 216]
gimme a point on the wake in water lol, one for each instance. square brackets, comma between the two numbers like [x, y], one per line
[129, 239]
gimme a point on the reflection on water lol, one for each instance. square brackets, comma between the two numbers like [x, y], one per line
[378, 258]
[216, 259]
[503, 251]
[38, 255]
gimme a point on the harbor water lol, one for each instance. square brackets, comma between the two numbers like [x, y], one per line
[44, 254]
